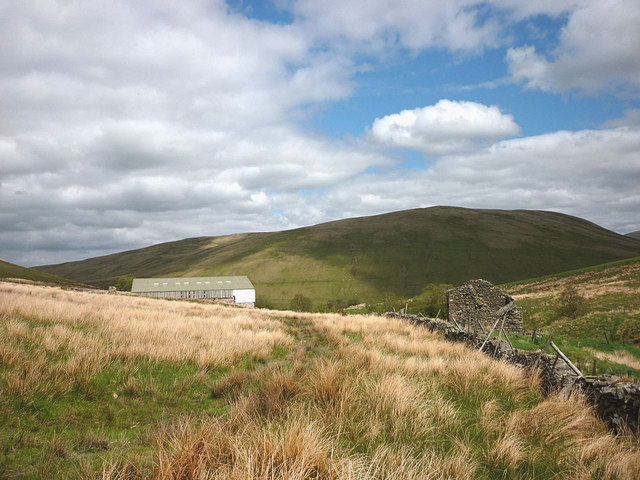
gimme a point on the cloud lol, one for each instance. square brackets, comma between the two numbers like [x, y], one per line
[589, 173]
[123, 123]
[129, 123]
[631, 117]
[446, 127]
[597, 50]
[378, 25]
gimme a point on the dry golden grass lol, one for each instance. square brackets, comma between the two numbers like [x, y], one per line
[588, 284]
[569, 429]
[351, 397]
[415, 344]
[125, 327]
[619, 356]
[93, 329]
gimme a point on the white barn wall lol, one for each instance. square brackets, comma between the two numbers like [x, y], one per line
[245, 296]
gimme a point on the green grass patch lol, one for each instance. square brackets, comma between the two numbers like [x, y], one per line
[57, 436]
[586, 353]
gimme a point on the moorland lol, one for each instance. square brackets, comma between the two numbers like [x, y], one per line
[361, 259]
[115, 386]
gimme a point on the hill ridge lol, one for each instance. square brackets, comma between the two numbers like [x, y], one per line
[10, 271]
[362, 258]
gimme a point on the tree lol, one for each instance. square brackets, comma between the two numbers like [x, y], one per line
[570, 303]
[124, 283]
[432, 299]
[300, 303]
[392, 302]
[629, 330]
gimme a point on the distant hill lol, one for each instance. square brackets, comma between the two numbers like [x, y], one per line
[635, 234]
[361, 258]
[11, 271]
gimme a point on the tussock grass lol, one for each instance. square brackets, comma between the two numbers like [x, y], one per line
[128, 388]
[97, 328]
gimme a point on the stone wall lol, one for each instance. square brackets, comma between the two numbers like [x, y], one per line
[616, 400]
[475, 303]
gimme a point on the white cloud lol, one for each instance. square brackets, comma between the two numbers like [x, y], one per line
[143, 114]
[382, 24]
[526, 66]
[520, 10]
[598, 50]
[593, 174]
[631, 117]
[129, 123]
[446, 127]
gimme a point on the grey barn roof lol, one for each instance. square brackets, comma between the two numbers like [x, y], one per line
[179, 284]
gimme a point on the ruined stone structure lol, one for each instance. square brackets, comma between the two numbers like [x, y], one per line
[473, 305]
[616, 400]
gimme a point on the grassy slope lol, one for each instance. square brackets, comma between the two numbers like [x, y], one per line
[635, 235]
[609, 328]
[361, 258]
[87, 390]
[10, 270]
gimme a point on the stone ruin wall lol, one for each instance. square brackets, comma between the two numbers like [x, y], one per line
[476, 302]
[616, 400]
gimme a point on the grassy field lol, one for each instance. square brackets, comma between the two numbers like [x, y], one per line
[607, 328]
[99, 386]
[359, 260]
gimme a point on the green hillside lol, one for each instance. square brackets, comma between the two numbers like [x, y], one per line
[604, 326]
[635, 234]
[10, 270]
[607, 297]
[361, 258]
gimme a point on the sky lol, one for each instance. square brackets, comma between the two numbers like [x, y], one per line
[124, 124]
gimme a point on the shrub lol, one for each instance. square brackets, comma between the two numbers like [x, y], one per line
[300, 303]
[570, 303]
[124, 283]
[432, 300]
[629, 330]
[392, 302]
[336, 305]
[262, 303]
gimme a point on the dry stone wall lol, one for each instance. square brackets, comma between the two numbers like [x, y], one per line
[616, 400]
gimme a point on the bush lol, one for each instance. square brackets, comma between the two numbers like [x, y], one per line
[392, 302]
[124, 283]
[262, 303]
[336, 305]
[432, 300]
[300, 303]
[629, 330]
[570, 303]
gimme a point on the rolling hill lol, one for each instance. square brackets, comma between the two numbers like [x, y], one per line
[635, 234]
[13, 271]
[361, 258]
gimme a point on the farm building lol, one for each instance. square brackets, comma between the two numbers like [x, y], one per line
[237, 289]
